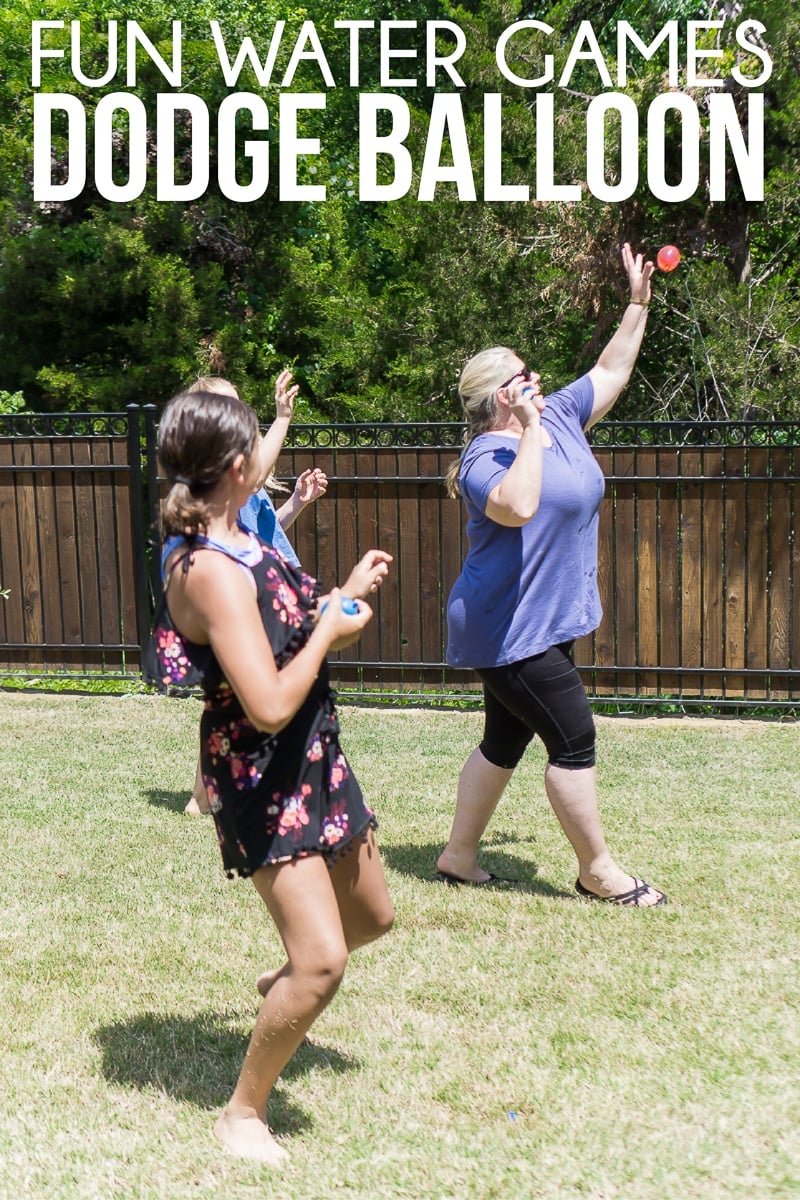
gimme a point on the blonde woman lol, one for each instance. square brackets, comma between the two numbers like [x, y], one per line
[528, 589]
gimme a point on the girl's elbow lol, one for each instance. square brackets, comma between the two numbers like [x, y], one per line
[270, 719]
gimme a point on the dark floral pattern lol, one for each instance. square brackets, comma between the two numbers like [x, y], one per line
[172, 653]
[273, 797]
[336, 825]
[294, 813]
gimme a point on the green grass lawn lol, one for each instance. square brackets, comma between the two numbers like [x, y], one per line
[517, 1043]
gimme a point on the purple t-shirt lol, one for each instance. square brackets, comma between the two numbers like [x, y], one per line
[522, 590]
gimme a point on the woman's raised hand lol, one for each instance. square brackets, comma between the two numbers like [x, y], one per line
[639, 274]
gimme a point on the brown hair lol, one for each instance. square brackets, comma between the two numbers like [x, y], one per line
[199, 436]
[480, 378]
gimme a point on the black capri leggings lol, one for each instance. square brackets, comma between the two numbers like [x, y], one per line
[542, 694]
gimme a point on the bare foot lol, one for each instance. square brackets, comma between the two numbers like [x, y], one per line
[247, 1136]
[265, 981]
[197, 806]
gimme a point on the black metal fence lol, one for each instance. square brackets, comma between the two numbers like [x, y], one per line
[699, 552]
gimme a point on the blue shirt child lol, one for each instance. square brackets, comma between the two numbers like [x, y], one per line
[259, 515]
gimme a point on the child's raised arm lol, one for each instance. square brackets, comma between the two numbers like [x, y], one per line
[272, 441]
[310, 485]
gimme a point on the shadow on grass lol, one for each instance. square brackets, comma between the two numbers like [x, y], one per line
[197, 1059]
[174, 801]
[420, 861]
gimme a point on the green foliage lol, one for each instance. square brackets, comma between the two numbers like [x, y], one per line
[93, 319]
[11, 402]
[376, 305]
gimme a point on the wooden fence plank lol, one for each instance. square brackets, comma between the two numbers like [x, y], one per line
[125, 560]
[33, 578]
[779, 600]
[713, 584]
[105, 549]
[431, 589]
[757, 568]
[390, 647]
[735, 569]
[372, 510]
[84, 490]
[691, 533]
[669, 567]
[625, 556]
[12, 613]
[52, 624]
[409, 503]
[647, 627]
[66, 544]
[319, 559]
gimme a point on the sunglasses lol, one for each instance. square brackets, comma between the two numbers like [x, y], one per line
[524, 371]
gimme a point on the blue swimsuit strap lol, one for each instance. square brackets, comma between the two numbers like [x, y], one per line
[248, 556]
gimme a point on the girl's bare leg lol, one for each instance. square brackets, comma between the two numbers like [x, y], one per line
[365, 906]
[198, 802]
[316, 958]
[351, 907]
[364, 903]
[266, 980]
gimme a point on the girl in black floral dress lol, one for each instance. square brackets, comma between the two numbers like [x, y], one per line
[253, 632]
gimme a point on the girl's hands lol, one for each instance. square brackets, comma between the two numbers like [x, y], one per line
[285, 393]
[310, 485]
[639, 274]
[368, 574]
[342, 628]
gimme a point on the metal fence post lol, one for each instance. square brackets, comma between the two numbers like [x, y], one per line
[137, 526]
[151, 474]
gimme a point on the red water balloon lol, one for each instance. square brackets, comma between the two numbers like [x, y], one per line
[668, 258]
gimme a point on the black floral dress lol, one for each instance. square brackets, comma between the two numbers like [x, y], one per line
[274, 797]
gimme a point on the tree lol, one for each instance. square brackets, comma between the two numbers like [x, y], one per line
[376, 305]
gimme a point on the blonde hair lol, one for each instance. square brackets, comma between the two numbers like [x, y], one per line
[224, 387]
[213, 383]
[480, 378]
[199, 435]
